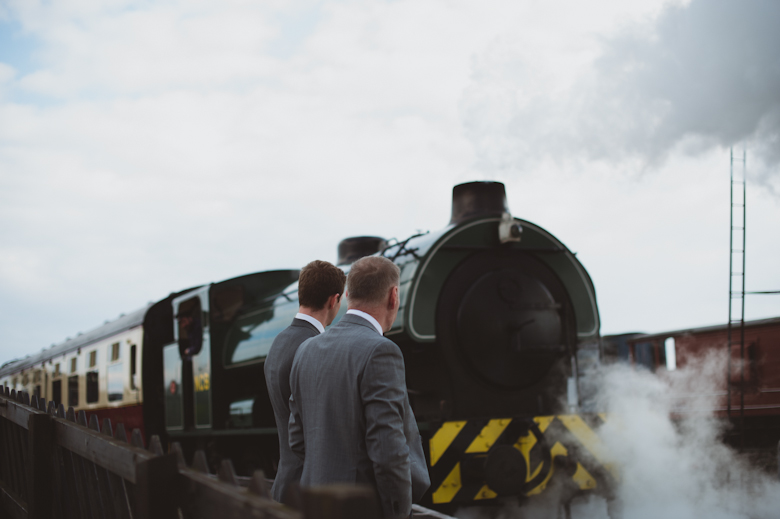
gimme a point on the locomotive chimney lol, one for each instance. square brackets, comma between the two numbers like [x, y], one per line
[352, 249]
[478, 199]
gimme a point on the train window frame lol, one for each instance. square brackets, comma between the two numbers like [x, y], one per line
[275, 315]
[56, 370]
[56, 391]
[115, 383]
[92, 387]
[133, 367]
[74, 365]
[191, 322]
[670, 348]
[116, 352]
[93, 359]
[73, 391]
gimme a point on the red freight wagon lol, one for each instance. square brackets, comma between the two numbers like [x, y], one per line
[752, 387]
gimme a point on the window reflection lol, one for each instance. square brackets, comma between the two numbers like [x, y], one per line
[115, 385]
[251, 335]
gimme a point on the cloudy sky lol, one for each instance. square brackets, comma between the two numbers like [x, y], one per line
[149, 146]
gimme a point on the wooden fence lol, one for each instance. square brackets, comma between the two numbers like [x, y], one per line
[55, 465]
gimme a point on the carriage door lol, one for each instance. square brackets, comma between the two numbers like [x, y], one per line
[193, 339]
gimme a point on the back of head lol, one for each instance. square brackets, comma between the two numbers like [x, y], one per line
[318, 281]
[370, 280]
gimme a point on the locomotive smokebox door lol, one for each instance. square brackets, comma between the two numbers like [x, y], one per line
[193, 343]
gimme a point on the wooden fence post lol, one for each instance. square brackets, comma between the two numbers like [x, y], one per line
[155, 488]
[40, 429]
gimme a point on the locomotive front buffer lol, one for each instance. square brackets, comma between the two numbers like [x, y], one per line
[485, 460]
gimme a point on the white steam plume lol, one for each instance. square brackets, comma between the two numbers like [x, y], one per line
[701, 75]
[679, 470]
[672, 468]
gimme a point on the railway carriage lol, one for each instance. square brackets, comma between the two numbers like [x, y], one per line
[749, 396]
[498, 325]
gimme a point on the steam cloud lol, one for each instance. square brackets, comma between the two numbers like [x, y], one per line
[673, 470]
[702, 75]
[679, 470]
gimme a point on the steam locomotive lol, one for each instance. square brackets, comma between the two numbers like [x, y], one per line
[498, 326]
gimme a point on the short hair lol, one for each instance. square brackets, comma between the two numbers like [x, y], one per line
[370, 279]
[317, 282]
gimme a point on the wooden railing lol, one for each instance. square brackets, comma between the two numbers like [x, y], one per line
[53, 464]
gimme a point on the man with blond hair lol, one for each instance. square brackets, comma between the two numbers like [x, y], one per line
[320, 286]
[350, 418]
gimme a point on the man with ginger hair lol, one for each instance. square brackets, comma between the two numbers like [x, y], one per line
[350, 418]
[320, 286]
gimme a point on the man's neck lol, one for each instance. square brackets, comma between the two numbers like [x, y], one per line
[321, 315]
[377, 313]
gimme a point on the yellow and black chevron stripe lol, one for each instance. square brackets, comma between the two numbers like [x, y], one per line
[468, 458]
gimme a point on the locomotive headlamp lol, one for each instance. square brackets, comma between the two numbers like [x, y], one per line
[509, 230]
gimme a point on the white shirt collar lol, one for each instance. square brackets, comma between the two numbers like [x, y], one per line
[368, 318]
[312, 320]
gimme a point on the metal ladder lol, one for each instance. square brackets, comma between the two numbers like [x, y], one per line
[736, 326]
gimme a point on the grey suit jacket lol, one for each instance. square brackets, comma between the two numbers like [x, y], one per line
[277, 380]
[350, 418]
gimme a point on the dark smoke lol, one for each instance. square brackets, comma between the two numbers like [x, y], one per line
[700, 76]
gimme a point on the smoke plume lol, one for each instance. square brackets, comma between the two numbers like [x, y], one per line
[679, 468]
[662, 434]
[698, 76]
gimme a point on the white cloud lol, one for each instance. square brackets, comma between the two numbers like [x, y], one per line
[7, 73]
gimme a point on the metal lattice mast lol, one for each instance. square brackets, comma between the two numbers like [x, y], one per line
[737, 278]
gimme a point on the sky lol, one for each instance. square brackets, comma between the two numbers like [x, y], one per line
[151, 146]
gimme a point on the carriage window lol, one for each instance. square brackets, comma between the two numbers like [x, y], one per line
[73, 391]
[115, 352]
[132, 367]
[251, 336]
[25, 379]
[73, 364]
[114, 384]
[57, 370]
[241, 413]
[191, 322]
[644, 355]
[92, 387]
[56, 392]
[92, 359]
[671, 354]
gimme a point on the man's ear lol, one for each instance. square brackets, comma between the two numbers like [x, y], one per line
[392, 299]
